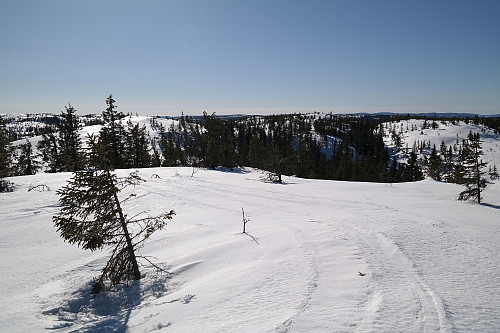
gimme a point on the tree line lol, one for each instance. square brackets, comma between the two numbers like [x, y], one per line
[311, 146]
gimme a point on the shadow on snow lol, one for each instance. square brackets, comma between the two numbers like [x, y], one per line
[490, 205]
[110, 310]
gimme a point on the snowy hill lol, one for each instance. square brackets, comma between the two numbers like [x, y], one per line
[319, 256]
[410, 133]
[413, 133]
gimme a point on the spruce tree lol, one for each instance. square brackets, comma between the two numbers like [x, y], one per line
[155, 156]
[493, 173]
[5, 150]
[458, 173]
[5, 157]
[26, 165]
[413, 171]
[167, 146]
[137, 146]
[228, 149]
[473, 179]
[113, 136]
[49, 149]
[70, 146]
[92, 217]
[212, 138]
[434, 165]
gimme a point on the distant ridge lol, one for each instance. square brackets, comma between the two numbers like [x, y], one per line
[430, 114]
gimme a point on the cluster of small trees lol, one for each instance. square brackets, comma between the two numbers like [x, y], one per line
[26, 164]
[116, 146]
[459, 163]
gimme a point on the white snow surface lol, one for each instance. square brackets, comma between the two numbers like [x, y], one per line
[429, 262]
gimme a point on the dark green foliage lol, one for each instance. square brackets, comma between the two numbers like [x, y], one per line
[458, 173]
[61, 146]
[26, 165]
[155, 157]
[5, 186]
[137, 146]
[267, 157]
[434, 165]
[413, 171]
[493, 173]
[473, 176]
[97, 152]
[91, 216]
[5, 158]
[50, 150]
[294, 144]
[113, 136]
[5, 151]
[118, 146]
[70, 147]
[219, 141]
[170, 151]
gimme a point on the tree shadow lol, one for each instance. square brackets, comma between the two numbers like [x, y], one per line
[238, 169]
[490, 205]
[255, 239]
[108, 311]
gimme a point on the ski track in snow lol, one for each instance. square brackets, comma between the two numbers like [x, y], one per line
[387, 261]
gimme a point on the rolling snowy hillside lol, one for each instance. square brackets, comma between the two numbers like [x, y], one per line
[319, 256]
[413, 132]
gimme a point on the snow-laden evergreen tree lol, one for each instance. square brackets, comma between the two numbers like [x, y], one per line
[473, 177]
[92, 217]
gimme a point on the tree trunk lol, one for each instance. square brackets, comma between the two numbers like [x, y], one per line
[130, 247]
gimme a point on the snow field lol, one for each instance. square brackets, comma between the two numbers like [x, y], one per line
[430, 261]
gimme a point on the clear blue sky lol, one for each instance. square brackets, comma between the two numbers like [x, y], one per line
[250, 56]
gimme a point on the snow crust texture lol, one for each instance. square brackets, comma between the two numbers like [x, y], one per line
[318, 256]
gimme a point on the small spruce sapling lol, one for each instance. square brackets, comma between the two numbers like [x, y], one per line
[92, 216]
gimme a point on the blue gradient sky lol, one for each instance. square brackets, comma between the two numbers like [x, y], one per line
[255, 57]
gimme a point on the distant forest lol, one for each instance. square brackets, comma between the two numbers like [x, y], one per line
[325, 146]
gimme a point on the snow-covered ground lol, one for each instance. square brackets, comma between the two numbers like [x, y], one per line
[427, 261]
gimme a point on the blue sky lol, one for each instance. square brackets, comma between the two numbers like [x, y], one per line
[255, 57]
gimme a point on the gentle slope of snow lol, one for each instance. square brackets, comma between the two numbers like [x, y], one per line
[430, 261]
